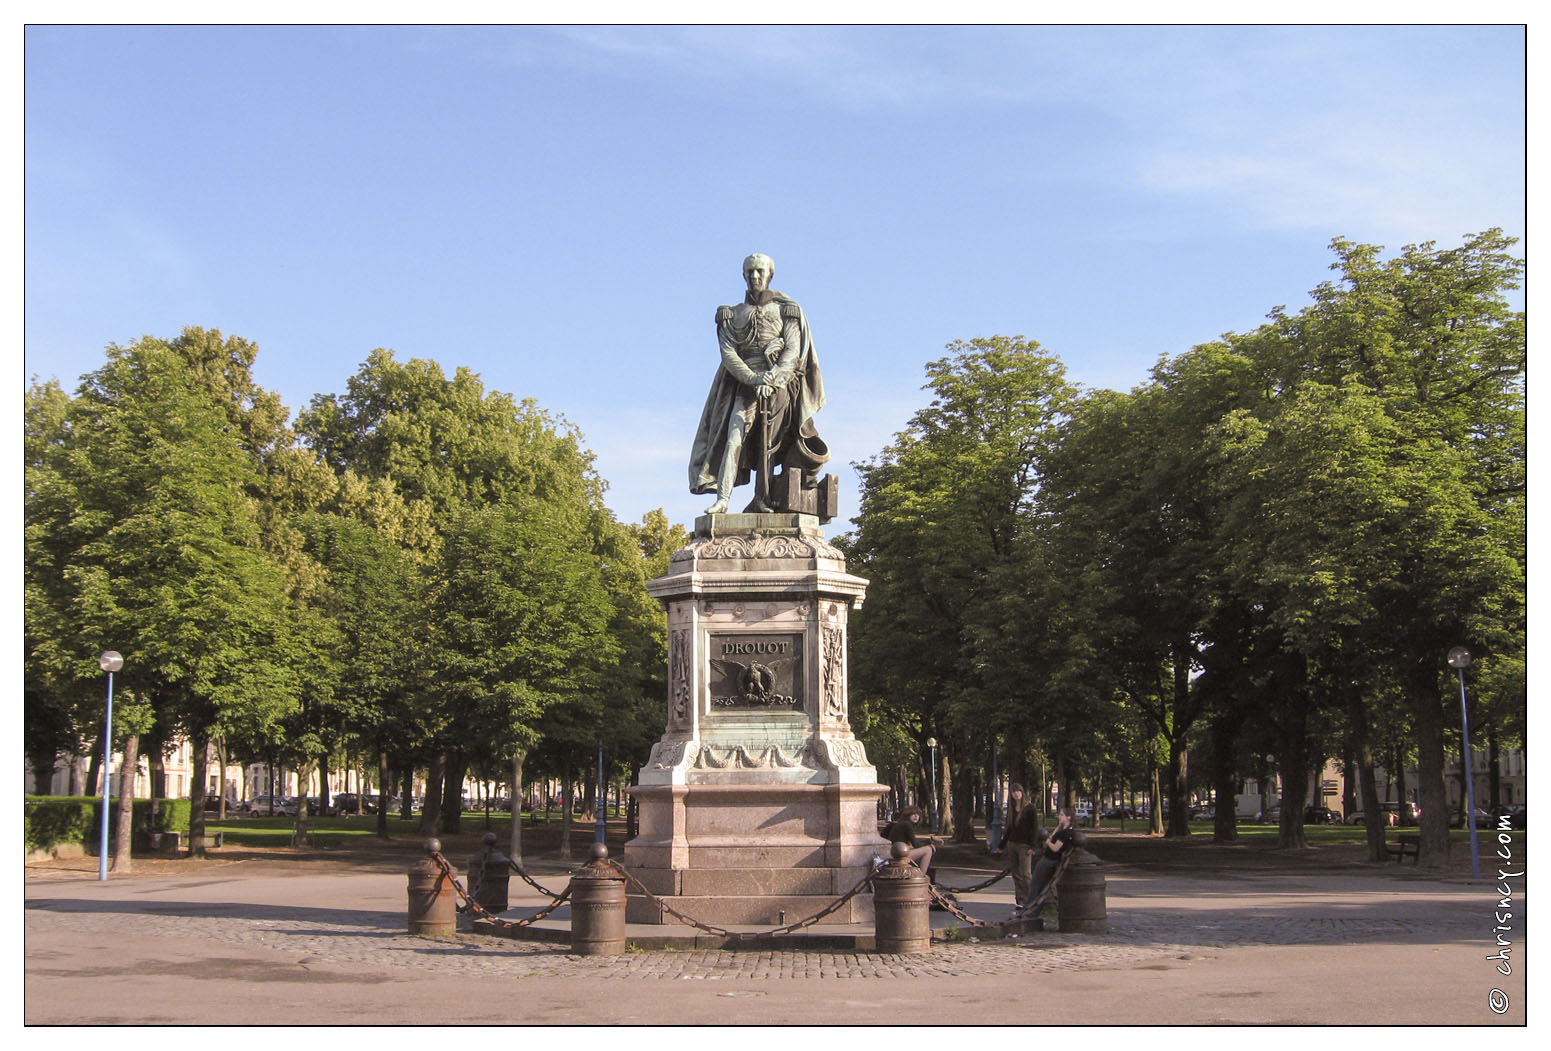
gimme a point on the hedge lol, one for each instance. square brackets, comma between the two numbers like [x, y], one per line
[55, 820]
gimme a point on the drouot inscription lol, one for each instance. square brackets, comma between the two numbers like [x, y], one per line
[756, 671]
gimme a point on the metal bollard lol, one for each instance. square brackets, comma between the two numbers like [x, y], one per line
[432, 899]
[1080, 906]
[901, 901]
[597, 907]
[490, 877]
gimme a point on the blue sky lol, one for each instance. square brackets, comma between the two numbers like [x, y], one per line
[561, 210]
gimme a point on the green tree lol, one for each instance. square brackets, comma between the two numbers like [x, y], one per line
[157, 543]
[942, 511]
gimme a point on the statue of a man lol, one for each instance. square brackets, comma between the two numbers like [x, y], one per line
[759, 413]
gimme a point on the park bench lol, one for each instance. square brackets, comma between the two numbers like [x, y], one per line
[1404, 847]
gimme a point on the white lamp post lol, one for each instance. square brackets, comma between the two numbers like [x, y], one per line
[110, 662]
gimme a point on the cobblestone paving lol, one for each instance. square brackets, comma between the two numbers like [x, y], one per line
[375, 940]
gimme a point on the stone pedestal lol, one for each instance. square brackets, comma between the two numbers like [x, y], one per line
[758, 801]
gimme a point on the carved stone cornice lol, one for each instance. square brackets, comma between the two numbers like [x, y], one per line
[757, 546]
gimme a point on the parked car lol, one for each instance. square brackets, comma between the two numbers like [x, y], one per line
[1083, 812]
[1320, 815]
[260, 805]
[1124, 813]
[1393, 815]
[347, 803]
[1514, 812]
[1483, 820]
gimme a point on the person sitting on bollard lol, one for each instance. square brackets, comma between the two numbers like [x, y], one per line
[902, 830]
[1057, 845]
[1023, 840]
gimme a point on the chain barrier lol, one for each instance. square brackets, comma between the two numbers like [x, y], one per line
[943, 897]
[723, 932]
[472, 906]
[940, 896]
[529, 880]
[978, 886]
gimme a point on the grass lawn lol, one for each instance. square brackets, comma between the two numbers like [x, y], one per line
[1318, 835]
[345, 831]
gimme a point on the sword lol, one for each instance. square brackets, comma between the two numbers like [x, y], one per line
[762, 490]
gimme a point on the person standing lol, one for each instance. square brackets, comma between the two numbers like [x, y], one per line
[1023, 839]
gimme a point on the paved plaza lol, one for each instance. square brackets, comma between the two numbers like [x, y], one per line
[248, 942]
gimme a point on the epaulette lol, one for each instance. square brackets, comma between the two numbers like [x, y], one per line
[790, 311]
[723, 314]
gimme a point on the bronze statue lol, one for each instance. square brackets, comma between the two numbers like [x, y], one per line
[759, 413]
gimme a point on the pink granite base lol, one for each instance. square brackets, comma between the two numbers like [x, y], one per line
[743, 854]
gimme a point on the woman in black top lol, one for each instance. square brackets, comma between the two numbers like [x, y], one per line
[902, 830]
[1057, 845]
[1021, 842]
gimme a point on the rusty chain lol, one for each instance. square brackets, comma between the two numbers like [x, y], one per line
[949, 906]
[978, 886]
[1030, 911]
[529, 880]
[474, 907]
[711, 928]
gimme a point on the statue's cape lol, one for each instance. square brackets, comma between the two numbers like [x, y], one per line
[705, 457]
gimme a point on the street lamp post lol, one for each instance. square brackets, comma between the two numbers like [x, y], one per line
[931, 743]
[110, 662]
[1459, 660]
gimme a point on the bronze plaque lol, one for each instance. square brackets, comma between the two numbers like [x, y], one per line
[756, 672]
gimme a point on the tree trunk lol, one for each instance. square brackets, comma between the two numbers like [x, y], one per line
[451, 818]
[963, 797]
[1427, 719]
[323, 784]
[1494, 778]
[199, 757]
[590, 792]
[94, 770]
[299, 835]
[220, 757]
[1349, 782]
[1293, 757]
[1225, 733]
[1155, 791]
[123, 835]
[42, 773]
[1367, 788]
[382, 793]
[407, 794]
[1177, 747]
[156, 762]
[514, 845]
[1178, 786]
[567, 793]
[1398, 782]
[431, 814]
